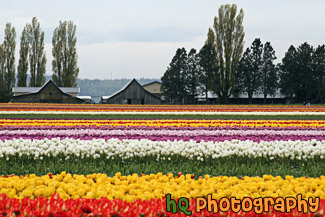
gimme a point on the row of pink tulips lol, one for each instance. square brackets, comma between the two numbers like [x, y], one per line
[163, 134]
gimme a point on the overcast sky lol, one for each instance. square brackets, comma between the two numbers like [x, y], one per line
[138, 38]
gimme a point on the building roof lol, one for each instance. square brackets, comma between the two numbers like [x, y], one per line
[44, 85]
[158, 82]
[125, 87]
[36, 89]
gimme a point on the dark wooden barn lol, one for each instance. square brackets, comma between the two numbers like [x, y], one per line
[132, 93]
[48, 93]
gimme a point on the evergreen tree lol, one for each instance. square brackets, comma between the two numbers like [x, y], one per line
[289, 82]
[244, 71]
[23, 60]
[37, 58]
[193, 75]
[207, 58]
[269, 72]
[297, 74]
[64, 64]
[2, 71]
[229, 43]
[305, 72]
[249, 70]
[174, 79]
[318, 66]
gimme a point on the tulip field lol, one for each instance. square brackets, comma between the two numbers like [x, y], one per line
[122, 160]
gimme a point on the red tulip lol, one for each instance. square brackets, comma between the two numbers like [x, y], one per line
[86, 208]
[115, 214]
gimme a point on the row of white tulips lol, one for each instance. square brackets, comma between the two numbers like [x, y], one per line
[161, 150]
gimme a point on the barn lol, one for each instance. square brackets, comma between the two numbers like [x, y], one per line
[48, 93]
[132, 93]
[154, 88]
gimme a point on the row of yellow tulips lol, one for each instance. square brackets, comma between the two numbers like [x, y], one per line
[132, 187]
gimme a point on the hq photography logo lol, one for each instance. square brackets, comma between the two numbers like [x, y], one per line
[258, 205]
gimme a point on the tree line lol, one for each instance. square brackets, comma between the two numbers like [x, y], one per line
[224, 68]
[32, 58]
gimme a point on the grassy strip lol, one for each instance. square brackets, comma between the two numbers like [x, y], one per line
[230, 166]
[160, 116]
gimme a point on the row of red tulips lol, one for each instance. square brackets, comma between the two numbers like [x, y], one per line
[55, 206]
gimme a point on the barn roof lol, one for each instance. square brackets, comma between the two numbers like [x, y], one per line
[36, 89]
[125, 87]
[158, 82]
[44, 85]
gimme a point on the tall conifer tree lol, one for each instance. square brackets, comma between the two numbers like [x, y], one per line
[64, 64]
[9, 47]
[23, 59]
[7, 63]
[2, 70]
[229, 43]
[37, 58]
